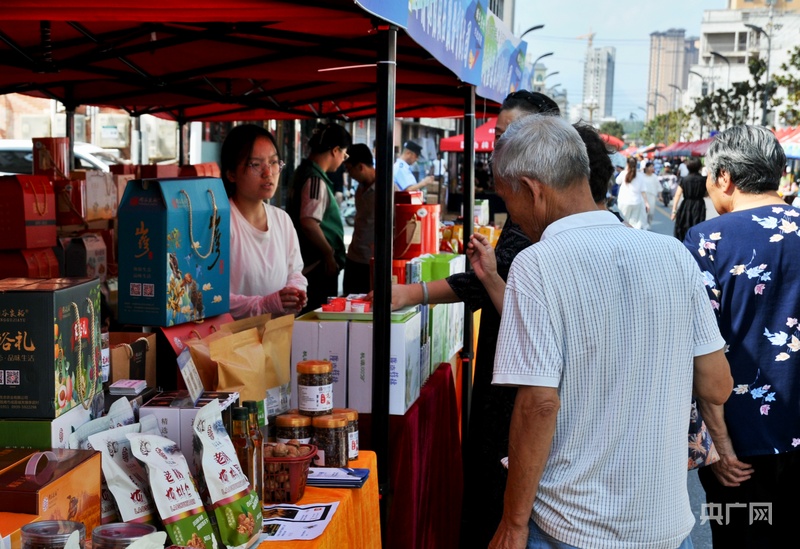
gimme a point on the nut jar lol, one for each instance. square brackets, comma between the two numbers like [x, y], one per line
[293, 426]
[330, 437]
[352, 431]
[118, 535]
[51, 534]
[315, 387]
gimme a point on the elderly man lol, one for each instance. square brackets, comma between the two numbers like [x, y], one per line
[749, 261]
[404, 180]
[598, 439]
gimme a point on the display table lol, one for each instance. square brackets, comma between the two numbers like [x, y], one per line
[357, 521]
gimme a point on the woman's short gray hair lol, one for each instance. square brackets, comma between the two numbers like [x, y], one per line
[545, 148]
[751, 155]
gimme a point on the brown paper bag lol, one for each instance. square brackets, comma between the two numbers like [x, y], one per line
[132, 358]
[277, 344]
[241, 364]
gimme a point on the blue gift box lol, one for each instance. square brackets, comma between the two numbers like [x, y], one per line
[174, 248]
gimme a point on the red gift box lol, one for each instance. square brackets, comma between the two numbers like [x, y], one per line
[71, 201]
[51, 157]
[27, 212]
[29, 263]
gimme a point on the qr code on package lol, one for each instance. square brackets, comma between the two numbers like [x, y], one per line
[136, 289]
[12, 377]
[149, 290]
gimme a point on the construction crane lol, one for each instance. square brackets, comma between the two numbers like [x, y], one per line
[589, 36]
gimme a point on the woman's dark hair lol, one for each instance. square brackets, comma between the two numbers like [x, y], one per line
[693, 165]
[329, 136]
[532, 102]
[631, 169]
[600, 168]
[237, 148]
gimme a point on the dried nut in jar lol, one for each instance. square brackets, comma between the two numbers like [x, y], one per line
[315, 387]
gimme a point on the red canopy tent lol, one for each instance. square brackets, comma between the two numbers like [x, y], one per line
[613, 141]
[484, 139]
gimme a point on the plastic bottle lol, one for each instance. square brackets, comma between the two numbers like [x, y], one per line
[257, 438]
[241, 441]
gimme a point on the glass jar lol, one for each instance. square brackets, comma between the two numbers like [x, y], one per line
[315, 387]
[352, 431]
[118, 535]
[293, 426]
[51, 534]
[330, 437]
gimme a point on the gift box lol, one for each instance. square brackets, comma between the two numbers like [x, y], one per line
[404, 365]
[55, 485]
[121, 181]
[43, 434]
[51, 157]
[49, 346]
[27, 212]
[70, 201]
[11, 529]
[35, 263]
[101, 194]
[86, 256]
[174, 248]
[204, 169]
[157, 171]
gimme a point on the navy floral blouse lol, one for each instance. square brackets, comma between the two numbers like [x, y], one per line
[750, 261]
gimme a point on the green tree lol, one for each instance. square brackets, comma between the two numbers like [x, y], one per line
[791, 81]
[612, 128]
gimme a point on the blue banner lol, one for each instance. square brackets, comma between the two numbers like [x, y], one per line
[503, 61]
[393, 11]
[452, 31]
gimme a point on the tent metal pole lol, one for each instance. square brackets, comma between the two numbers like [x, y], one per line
[384, 231]
[70, 133]
[469, 227]
[181, 140]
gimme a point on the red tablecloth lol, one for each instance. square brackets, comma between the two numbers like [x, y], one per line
[426, 471]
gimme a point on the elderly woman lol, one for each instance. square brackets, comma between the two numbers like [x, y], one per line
[749, 257]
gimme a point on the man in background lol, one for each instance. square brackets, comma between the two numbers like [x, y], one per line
[360, 166]
[404, 179]
[590, 465]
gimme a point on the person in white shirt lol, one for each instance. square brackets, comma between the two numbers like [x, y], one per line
[597, 451]
[652, 188]
[266, 265]
[632, 199]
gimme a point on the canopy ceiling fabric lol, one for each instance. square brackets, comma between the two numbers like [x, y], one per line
[212, 60]
[612, 140]
[484, 139]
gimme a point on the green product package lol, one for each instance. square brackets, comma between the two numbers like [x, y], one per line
[174, 491]
[236, 505]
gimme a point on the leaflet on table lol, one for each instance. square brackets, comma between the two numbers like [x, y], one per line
[290, 522]
[344, 477]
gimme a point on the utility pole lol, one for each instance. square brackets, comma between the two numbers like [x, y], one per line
[768, 35]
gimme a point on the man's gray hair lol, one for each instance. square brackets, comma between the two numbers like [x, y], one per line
[545, 148]
[751, 155]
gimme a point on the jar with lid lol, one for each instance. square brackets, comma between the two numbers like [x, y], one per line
[330, 437]
[118, 535]
[315, 387]
[293, 426]
[51, 534]
[352, 431]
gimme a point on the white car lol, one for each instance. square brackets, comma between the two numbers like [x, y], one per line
[16, 156]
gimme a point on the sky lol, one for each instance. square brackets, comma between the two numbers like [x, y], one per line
[623, 25]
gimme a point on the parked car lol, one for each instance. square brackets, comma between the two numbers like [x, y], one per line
[16, 156]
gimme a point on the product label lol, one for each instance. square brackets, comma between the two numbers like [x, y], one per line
[300, 440]
[317, 398]
[352, 445]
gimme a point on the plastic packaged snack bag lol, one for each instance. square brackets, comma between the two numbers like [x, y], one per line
[119, 414]
[124, 476]
[236, 505]
[174, 491]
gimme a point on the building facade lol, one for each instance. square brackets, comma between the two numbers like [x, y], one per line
[671, 56]
[731, 38]
[598, 83]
